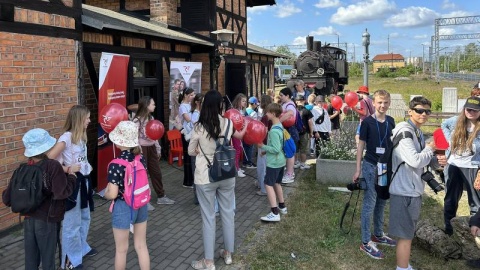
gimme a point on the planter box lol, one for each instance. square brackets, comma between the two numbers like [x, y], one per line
[335, 171]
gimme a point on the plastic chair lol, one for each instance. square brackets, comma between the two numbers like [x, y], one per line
[176, 149]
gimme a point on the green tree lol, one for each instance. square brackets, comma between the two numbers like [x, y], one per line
[285, 50]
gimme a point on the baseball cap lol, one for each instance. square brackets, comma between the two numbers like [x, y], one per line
[440, 140]
[253, 100]
[300, 97]
[473, 103]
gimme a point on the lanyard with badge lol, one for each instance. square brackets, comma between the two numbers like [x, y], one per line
[381, 150]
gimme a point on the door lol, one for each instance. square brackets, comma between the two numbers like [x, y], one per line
[235, 81]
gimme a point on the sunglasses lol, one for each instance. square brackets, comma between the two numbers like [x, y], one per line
[421, 111]
[471, 110]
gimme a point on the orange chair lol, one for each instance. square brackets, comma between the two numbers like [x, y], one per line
[176, 149]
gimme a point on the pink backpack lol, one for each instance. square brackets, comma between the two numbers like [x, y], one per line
[137, 189]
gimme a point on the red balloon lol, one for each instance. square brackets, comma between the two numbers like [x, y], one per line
[111, 115]
[256, 132]
[236, 117]
[246, 120]
[289, 121]
[351, 99]
[154, 129]
[337, 102]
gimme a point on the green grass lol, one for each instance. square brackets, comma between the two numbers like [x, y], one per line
[311, 232]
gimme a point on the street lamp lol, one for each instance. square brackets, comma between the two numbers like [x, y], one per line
[224, 37]
[365, 43]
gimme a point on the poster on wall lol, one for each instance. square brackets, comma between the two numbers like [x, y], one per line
[112, 89]
[183, 75]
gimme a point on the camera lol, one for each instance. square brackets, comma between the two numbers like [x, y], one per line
[432, 183]
[360, 184]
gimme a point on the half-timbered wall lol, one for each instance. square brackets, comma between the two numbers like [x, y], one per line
[261, 74]
[38, 77]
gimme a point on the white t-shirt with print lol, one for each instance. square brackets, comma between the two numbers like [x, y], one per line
[75, 153]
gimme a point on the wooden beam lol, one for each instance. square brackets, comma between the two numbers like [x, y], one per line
[40, 30]
[47, 7]
[7, 12]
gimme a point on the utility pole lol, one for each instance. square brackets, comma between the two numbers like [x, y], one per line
[365, 43]
[388, 43]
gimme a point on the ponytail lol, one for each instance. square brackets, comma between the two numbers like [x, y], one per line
[186, 91]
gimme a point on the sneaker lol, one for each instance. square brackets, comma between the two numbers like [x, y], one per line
[271, 217]
[70, 266]
[201, 265]
[288, 178]
[371, 250]
[227, 256]
[304, 166]
[185, 186]
[384, 240]
[240, 174]
[241, 170]
[91, 253]
[297, 164]
[283, 211]
[250, 165]
[259, 193]
[165, 200]
[150, 207]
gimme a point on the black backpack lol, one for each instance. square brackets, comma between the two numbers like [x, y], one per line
[384, 172]
[27, 188]
[223, 165]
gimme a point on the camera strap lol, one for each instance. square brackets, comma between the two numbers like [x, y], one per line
[347, 205]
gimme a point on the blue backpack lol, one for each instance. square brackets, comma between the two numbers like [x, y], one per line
[299, 123]
[289, 148]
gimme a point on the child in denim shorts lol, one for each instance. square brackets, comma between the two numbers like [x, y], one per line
[125, 138]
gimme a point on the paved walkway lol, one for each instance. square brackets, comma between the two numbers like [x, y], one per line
[174, 234]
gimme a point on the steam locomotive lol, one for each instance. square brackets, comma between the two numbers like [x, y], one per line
[323, 69]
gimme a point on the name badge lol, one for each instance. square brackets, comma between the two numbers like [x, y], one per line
[380, 150]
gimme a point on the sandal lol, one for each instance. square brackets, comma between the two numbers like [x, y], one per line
[201, 265]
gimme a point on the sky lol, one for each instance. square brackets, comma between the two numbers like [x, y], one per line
[395, 26]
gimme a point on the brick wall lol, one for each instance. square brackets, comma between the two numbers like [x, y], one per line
[38, 85]
[165, 11]
[115, 4]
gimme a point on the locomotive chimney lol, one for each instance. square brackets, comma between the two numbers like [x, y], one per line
[317, 45]
[310, 43]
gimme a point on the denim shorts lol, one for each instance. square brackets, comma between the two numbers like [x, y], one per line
[273, 176]
[121, 215]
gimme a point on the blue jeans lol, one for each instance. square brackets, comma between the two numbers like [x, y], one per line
[371, 204]
[261, 168]
[40, 240]
[74, 234]
[248, 153]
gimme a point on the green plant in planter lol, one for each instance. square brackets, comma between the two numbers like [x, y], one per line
[340, 147]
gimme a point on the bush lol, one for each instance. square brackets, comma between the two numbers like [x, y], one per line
[340, 147]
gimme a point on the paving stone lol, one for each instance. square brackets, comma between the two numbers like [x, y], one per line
[174, 233]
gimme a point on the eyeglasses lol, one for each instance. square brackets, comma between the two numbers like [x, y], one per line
[471, 110]
[421, 111]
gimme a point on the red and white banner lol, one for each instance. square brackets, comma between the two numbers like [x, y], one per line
[112, 89]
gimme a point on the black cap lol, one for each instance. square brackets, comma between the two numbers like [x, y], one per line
[473, 103]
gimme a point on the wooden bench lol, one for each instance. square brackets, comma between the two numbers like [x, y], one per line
[435, 119]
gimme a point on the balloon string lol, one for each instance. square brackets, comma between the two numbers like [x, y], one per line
[113, 148]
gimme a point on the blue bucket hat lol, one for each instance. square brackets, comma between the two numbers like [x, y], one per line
[37, 141]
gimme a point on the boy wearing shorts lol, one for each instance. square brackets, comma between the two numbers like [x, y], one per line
[275, 164]
[304, 142]
[407, 186]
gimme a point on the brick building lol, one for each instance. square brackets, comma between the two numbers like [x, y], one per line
[50, 51]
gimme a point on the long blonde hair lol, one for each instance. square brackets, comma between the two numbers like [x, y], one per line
[75, 121]
[237, 101]
[461, 140]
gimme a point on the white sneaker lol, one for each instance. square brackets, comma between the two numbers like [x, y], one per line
[304, 166]
[150, 207]
[271, 217]
[165, 200]
[287, 179]
[241, 170]
[240, 174]
[297, 164]
[283, 211]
